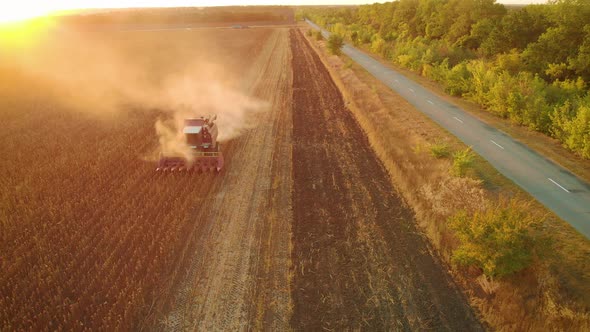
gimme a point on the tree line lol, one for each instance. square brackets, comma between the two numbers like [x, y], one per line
[182, 15]
[529, 64]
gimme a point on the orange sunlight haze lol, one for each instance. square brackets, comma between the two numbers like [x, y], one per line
[19, 11]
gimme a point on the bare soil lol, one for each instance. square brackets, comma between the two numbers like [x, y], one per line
[358, 259]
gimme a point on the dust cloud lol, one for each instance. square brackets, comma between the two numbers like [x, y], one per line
[106, 73]
[186, 97]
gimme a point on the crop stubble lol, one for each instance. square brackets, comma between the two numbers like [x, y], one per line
[239, 275]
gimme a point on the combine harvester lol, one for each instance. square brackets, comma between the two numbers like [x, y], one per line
[205, 155]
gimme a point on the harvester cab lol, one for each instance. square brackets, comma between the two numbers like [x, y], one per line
[201, 139]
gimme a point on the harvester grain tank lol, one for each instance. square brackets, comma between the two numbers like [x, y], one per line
[205, 154]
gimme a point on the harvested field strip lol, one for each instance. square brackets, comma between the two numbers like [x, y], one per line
[359, 261]
[229, 284]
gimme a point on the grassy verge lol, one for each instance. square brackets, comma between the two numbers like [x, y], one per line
[553, 293]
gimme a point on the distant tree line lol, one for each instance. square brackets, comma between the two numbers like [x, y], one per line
[529, 64]
[185, 15]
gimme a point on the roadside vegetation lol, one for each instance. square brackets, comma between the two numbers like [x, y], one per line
[335, 43]
[529, 64]
[462, 160]
[497, 239]
[440, 150]
[523, 268]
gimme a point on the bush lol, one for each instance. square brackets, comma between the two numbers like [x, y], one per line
[309, 33]
[318, 35]
[348, 64]
[499, 239]
[335, 43]
[440, 150]
[462, 160]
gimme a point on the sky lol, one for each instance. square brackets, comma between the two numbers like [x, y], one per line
[17, 10]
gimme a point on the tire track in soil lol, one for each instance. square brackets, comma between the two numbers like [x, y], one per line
[358, 260]
[225, 280]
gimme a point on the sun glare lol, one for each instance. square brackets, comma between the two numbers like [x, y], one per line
[16, 13]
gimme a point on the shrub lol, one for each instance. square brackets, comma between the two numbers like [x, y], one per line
[318, 35]
[462, 160]
[335, 43]
[440, 150]
[499, 239]
[348, 64]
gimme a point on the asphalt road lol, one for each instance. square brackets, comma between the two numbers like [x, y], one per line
[552, 185]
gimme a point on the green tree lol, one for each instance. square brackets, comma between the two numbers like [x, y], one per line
[377, 43]
[516, 30]
[577, 132]
[580, 63]
[482, 79]
[339, 29]
[551, 47]
[405, 17]
[480, 32]
[510, 62]
[458, 80]
[500, 94]
[426, 26]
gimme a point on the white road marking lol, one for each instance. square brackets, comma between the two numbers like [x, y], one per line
[500, 146]
[456, 118]
[430, 102]
[557, 184]
[411, 90]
